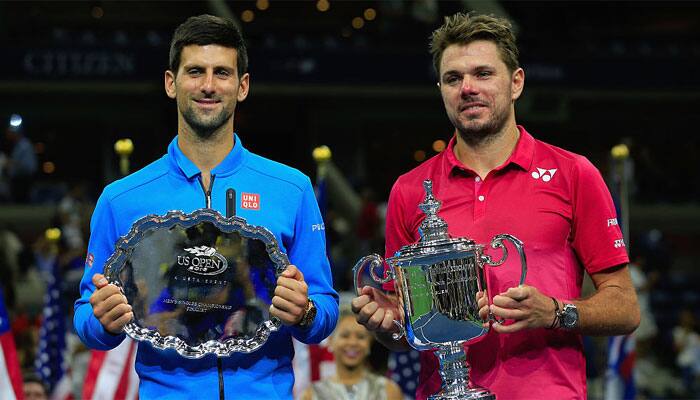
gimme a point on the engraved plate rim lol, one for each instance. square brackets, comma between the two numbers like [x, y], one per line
[237, 224]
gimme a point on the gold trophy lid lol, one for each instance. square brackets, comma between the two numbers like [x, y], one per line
[433, 231]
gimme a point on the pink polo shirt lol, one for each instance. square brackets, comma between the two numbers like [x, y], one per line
[557, 203]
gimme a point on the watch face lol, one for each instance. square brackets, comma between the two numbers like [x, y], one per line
[308, 319]
[569, 317]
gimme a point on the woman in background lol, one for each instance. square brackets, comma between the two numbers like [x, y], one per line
[350, 344]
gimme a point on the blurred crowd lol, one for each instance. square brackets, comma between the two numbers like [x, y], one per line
[41, 247]
[40, 255]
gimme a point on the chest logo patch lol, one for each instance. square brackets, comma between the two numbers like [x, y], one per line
[250, 201]
[545, 174]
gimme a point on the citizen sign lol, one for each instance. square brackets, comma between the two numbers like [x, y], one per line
[204, 261]
[78, 63]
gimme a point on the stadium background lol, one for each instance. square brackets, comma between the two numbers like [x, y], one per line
[83, 75]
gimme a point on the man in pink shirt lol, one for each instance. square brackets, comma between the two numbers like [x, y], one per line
[493, 178]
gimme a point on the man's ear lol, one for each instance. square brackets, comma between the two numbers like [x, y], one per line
[517, 83]
[170, 84]
[243, 87]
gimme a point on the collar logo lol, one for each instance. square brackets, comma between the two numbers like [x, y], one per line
[205, 260]
[250, 201]
[545, 174]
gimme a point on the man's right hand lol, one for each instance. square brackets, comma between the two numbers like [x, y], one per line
[375, 310]
[109, 305]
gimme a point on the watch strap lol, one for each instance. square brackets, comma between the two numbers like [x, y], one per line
[309, 315]
[557, 314]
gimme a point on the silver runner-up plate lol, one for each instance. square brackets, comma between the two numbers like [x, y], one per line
[198, 283]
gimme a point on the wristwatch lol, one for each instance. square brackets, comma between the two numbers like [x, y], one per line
[309, 315]
[568, 317]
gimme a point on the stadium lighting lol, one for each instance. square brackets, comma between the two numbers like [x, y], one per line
[15, 120]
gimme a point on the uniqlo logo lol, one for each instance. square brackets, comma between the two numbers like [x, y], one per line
[250, 201]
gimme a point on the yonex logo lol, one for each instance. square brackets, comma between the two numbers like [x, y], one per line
[545, 174]
[619, 243]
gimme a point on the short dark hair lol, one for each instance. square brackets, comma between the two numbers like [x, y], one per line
[202, 30]
[463, 29]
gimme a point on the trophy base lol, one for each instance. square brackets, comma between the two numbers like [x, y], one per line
[466, 394]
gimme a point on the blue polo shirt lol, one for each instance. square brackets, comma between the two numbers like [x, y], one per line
[284, 203]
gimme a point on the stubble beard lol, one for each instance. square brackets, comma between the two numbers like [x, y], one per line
[204, 127]
[477, 134]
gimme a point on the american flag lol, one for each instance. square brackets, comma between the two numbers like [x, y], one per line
[50, 360]
[404, 368]
[111, 374]
[619, 377]
[10, 374]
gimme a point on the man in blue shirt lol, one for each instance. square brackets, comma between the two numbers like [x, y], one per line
[207, 78]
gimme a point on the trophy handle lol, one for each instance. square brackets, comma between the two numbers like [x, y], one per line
[374, 261]
[497, 242]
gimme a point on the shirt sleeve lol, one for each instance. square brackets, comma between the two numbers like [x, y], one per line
[308, 252]
[103, 237]
[597, 238]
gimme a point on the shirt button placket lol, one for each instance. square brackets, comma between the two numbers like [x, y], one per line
[480, 202]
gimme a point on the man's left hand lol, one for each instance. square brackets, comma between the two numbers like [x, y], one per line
[526, 306]
[291, 297]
